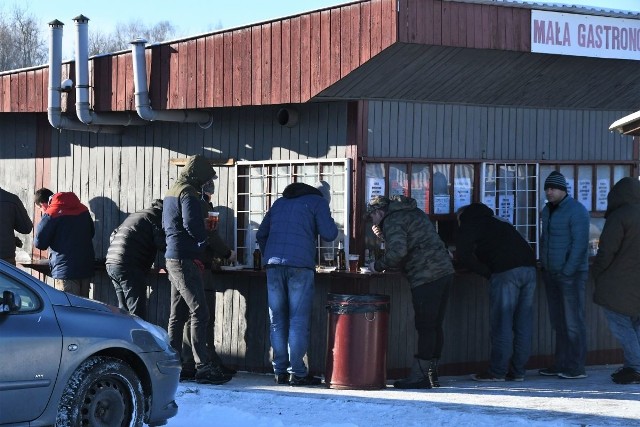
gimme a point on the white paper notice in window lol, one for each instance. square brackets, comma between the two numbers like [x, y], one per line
[441, 204]
[584, 193]
[490, 200]
[505, 207]
[601, 194]
[461, 193]
[375, 187]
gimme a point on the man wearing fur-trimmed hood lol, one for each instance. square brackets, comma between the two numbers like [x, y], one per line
[186, 240]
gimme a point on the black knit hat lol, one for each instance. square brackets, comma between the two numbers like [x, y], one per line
[556, 180]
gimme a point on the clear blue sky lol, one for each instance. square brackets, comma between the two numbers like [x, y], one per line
[192, 17]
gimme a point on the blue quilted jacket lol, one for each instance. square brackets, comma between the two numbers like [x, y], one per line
[289, 232]
[564, 242]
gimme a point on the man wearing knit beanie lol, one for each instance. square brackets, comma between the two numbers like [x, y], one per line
[565, 261]
[555, 180]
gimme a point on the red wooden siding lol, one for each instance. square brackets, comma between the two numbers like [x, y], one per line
[469, 25]
[278, 62]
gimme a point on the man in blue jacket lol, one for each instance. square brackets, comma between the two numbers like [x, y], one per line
[67, 230]
[186, 241]
[287, 237]
[564, 254]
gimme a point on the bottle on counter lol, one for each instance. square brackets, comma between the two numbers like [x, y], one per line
[257, 258]
[341, 258]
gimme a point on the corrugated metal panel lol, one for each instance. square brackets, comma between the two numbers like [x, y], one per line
[497, 133]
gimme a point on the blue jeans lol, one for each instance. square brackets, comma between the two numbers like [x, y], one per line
[131, 288]
[566, 300]
[188, 301]
[290, 297]
[626, 329]
[510, 313]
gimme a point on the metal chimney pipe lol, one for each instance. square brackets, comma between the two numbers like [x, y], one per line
[54, 111]
[143, 105]
[85, 114]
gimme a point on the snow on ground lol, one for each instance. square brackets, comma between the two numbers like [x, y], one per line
[254, 400]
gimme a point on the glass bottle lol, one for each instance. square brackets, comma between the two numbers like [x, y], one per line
[382, 248]
[257, 257]
[341, 258]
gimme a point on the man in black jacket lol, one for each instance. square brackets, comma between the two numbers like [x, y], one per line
[133, 249]
[14, 218]
[493, 248]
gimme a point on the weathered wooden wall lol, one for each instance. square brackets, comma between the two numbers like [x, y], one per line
[446, 131]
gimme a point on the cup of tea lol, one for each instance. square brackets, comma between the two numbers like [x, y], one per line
[354, 260]
[212, 220]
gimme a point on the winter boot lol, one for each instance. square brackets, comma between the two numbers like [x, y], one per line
[432, 373]
[418, 377]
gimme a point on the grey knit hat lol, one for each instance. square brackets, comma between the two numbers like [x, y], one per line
[556, 180]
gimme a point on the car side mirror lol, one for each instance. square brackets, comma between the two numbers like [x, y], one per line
[10, 302]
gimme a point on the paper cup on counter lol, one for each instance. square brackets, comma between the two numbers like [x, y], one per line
[354, 260]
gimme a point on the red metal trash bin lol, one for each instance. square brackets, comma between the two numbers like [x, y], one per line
[357, 336]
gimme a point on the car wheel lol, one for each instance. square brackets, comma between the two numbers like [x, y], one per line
[103, 391]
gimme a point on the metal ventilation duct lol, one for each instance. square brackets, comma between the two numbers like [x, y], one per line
[85, 114]
[56, 119]
[143, 105]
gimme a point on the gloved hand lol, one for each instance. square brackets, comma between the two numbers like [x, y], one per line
[199, 264]
[233, 257]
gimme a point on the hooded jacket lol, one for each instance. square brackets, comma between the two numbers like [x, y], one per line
[616, 267]
[487, 244]
[564, 242]
[182, 212]
[135, 242]
[14, 218]
[67, 230]
[289, 231]
[412, 244]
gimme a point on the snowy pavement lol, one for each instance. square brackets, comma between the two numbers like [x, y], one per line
[254, 400]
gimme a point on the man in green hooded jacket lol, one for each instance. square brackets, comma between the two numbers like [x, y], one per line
[414, 247]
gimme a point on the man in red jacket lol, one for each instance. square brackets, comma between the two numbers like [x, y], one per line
[67, 230]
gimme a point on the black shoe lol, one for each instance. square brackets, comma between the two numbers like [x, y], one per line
[549, 372]
[418, 377]
[227, 370]
[302, 381]
[210, 374]
[626, 376]
[188, 373]
[282, 378]
[407, 384]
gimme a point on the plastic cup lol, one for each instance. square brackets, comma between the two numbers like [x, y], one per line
[212, 220]
[353, 263]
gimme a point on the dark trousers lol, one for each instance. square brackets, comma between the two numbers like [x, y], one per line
[131, 288]
[187, 352]
[430, 304]
[188, 302]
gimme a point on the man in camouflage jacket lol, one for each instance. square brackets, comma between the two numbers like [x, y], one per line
[414, 247]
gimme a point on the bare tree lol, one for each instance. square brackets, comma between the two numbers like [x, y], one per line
[21, 40]
[30, 46]
[124, 33]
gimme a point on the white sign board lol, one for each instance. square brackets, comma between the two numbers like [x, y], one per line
[375, 187]
[585, 35]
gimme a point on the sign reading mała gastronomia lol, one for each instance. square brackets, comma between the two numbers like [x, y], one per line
[585, 35]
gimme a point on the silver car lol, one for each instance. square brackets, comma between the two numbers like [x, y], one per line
[70, 361]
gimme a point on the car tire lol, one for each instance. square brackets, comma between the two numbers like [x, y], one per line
[103, 391]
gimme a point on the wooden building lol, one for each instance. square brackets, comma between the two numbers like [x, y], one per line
[447, 101]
